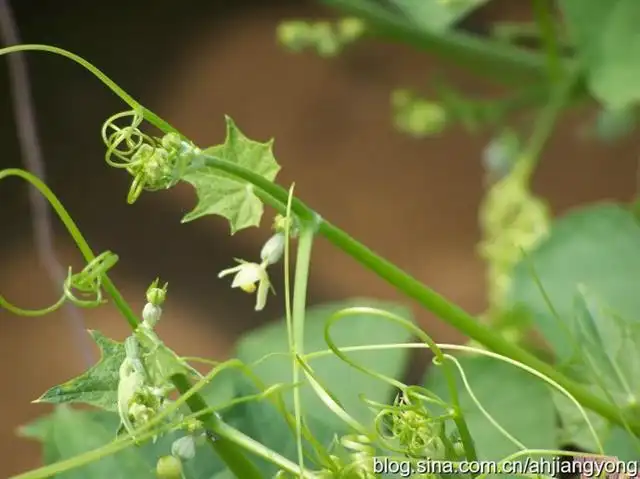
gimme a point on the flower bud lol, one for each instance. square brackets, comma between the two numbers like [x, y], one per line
[156, 295]
[184, 448]
[350, 28]
[293, 35]
[171, 141]
[169, 467]
[273, 249]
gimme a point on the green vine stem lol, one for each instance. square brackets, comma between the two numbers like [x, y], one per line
[505, 63]
[276, 196]
[303, 260]
[543, 12]
[225, 443]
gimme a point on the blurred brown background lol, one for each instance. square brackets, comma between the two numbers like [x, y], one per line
[415, 202]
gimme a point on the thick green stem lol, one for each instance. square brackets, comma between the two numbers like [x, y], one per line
[276, 196]
[227, 450]
[505, 63]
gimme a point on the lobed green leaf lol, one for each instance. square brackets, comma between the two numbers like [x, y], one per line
[220, 194]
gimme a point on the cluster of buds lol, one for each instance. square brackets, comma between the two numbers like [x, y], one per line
[139, 399]
[251, 277]
[326, 38]
[160, 165]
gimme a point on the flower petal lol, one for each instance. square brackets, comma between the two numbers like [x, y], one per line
[228, 271]
[261, 296]
[248, 273]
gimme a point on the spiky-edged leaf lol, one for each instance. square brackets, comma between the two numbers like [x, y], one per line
[98, 386]
[231, 198]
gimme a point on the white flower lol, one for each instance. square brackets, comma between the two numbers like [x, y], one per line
[246, 276]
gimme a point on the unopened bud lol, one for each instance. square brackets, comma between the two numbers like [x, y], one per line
[273, 249]
[151, 314]
[157, 295]
[350, 28]
[184, 448]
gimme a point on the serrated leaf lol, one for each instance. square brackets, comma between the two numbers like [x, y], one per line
[67, 433]
[98, 385]
[220, 194]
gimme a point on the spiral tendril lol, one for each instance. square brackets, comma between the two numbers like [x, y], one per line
[85, 288]
[411, 425]
[154, 163]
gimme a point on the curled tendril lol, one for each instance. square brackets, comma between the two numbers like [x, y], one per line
[411, 425]
[123, 142]
[4, 304]
[154, 163]
[88, 282]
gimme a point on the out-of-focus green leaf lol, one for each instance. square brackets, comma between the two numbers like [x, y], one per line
[518, 401]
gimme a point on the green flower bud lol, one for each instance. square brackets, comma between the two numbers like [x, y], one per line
[350, 28]
[169, 467]
[171, 142]
[426, 118]
[327, 45]
[156, 295]
[293, 35]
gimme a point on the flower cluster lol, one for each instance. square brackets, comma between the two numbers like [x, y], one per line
[139, 399]
[326, 38]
